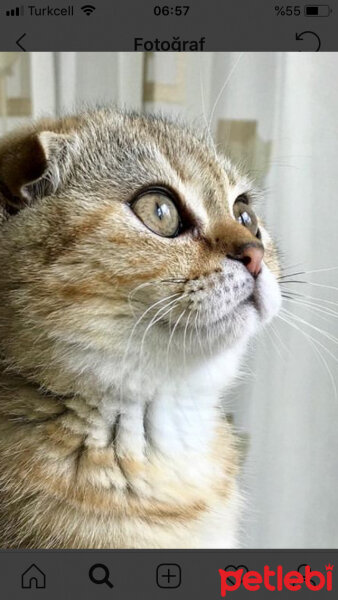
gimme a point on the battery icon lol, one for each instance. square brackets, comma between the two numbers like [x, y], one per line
[319, 10]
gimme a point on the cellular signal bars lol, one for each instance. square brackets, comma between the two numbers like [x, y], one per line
[15, 12]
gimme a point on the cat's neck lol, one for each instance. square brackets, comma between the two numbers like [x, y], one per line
[141, 412]
[169, 414]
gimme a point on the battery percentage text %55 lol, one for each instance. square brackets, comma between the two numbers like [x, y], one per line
[288, 11]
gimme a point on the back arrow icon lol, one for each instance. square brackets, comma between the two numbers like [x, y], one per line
[18, 43]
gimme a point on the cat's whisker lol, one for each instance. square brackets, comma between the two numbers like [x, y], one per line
[325, 334]
[207, 334]
[315, 271]
[174, 280]
[132, 293]
[135, 290]
[184, 337]
[291, 275]
[197, 332]
[280, 341]
[321, 301]
[173, 333]
[274, 343]
[292, 281]
[153, 306]
[284, 268]
[314, 343]
[312, 306]
[315, 312]
[167, 312]
[300, 321]
[192, 329]
[157, 318]
[288, 315]
[286, 349]
[321, 285]
[126, 352]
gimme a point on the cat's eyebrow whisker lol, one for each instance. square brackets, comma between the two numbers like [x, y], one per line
[314, 343]
[227, 80]
[208, 129]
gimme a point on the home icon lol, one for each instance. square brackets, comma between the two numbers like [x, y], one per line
[33, 577]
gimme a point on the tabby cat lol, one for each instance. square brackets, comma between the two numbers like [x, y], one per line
[133, 271]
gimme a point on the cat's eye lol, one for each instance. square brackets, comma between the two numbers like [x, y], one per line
[244, 214]
[157, 211]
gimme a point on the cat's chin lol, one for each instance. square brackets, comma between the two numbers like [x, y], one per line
[267, 295]
[235, 327]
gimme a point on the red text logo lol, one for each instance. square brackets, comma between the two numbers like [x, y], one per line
[277, 579]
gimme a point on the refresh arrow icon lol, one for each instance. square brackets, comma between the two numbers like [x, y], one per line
[299, 37]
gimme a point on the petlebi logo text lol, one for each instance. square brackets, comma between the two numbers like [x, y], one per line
[275, 579]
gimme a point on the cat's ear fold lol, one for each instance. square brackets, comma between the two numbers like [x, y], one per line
[31, 166]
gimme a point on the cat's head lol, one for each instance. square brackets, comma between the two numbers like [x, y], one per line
[127, 235]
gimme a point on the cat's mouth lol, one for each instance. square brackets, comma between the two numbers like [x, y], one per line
[234, 309]
[219, 310]
[237, 313]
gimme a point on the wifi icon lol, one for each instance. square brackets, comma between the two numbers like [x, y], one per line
[88, 9]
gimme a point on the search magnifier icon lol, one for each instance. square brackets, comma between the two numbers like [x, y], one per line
[99, 573]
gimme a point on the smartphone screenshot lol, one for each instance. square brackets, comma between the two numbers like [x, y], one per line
[168, 299]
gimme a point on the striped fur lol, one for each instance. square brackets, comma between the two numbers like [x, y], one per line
[112, 432]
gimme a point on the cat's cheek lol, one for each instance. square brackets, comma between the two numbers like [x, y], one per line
[267, 295]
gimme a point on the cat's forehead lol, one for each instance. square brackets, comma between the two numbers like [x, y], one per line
[141, 151]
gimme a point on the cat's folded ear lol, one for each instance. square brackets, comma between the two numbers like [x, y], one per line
[31, 166]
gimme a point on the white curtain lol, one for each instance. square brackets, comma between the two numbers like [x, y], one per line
[278, 114]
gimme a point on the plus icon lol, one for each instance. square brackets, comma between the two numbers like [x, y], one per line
[168, 576]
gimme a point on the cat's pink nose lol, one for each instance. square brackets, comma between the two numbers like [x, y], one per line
[252, 256]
